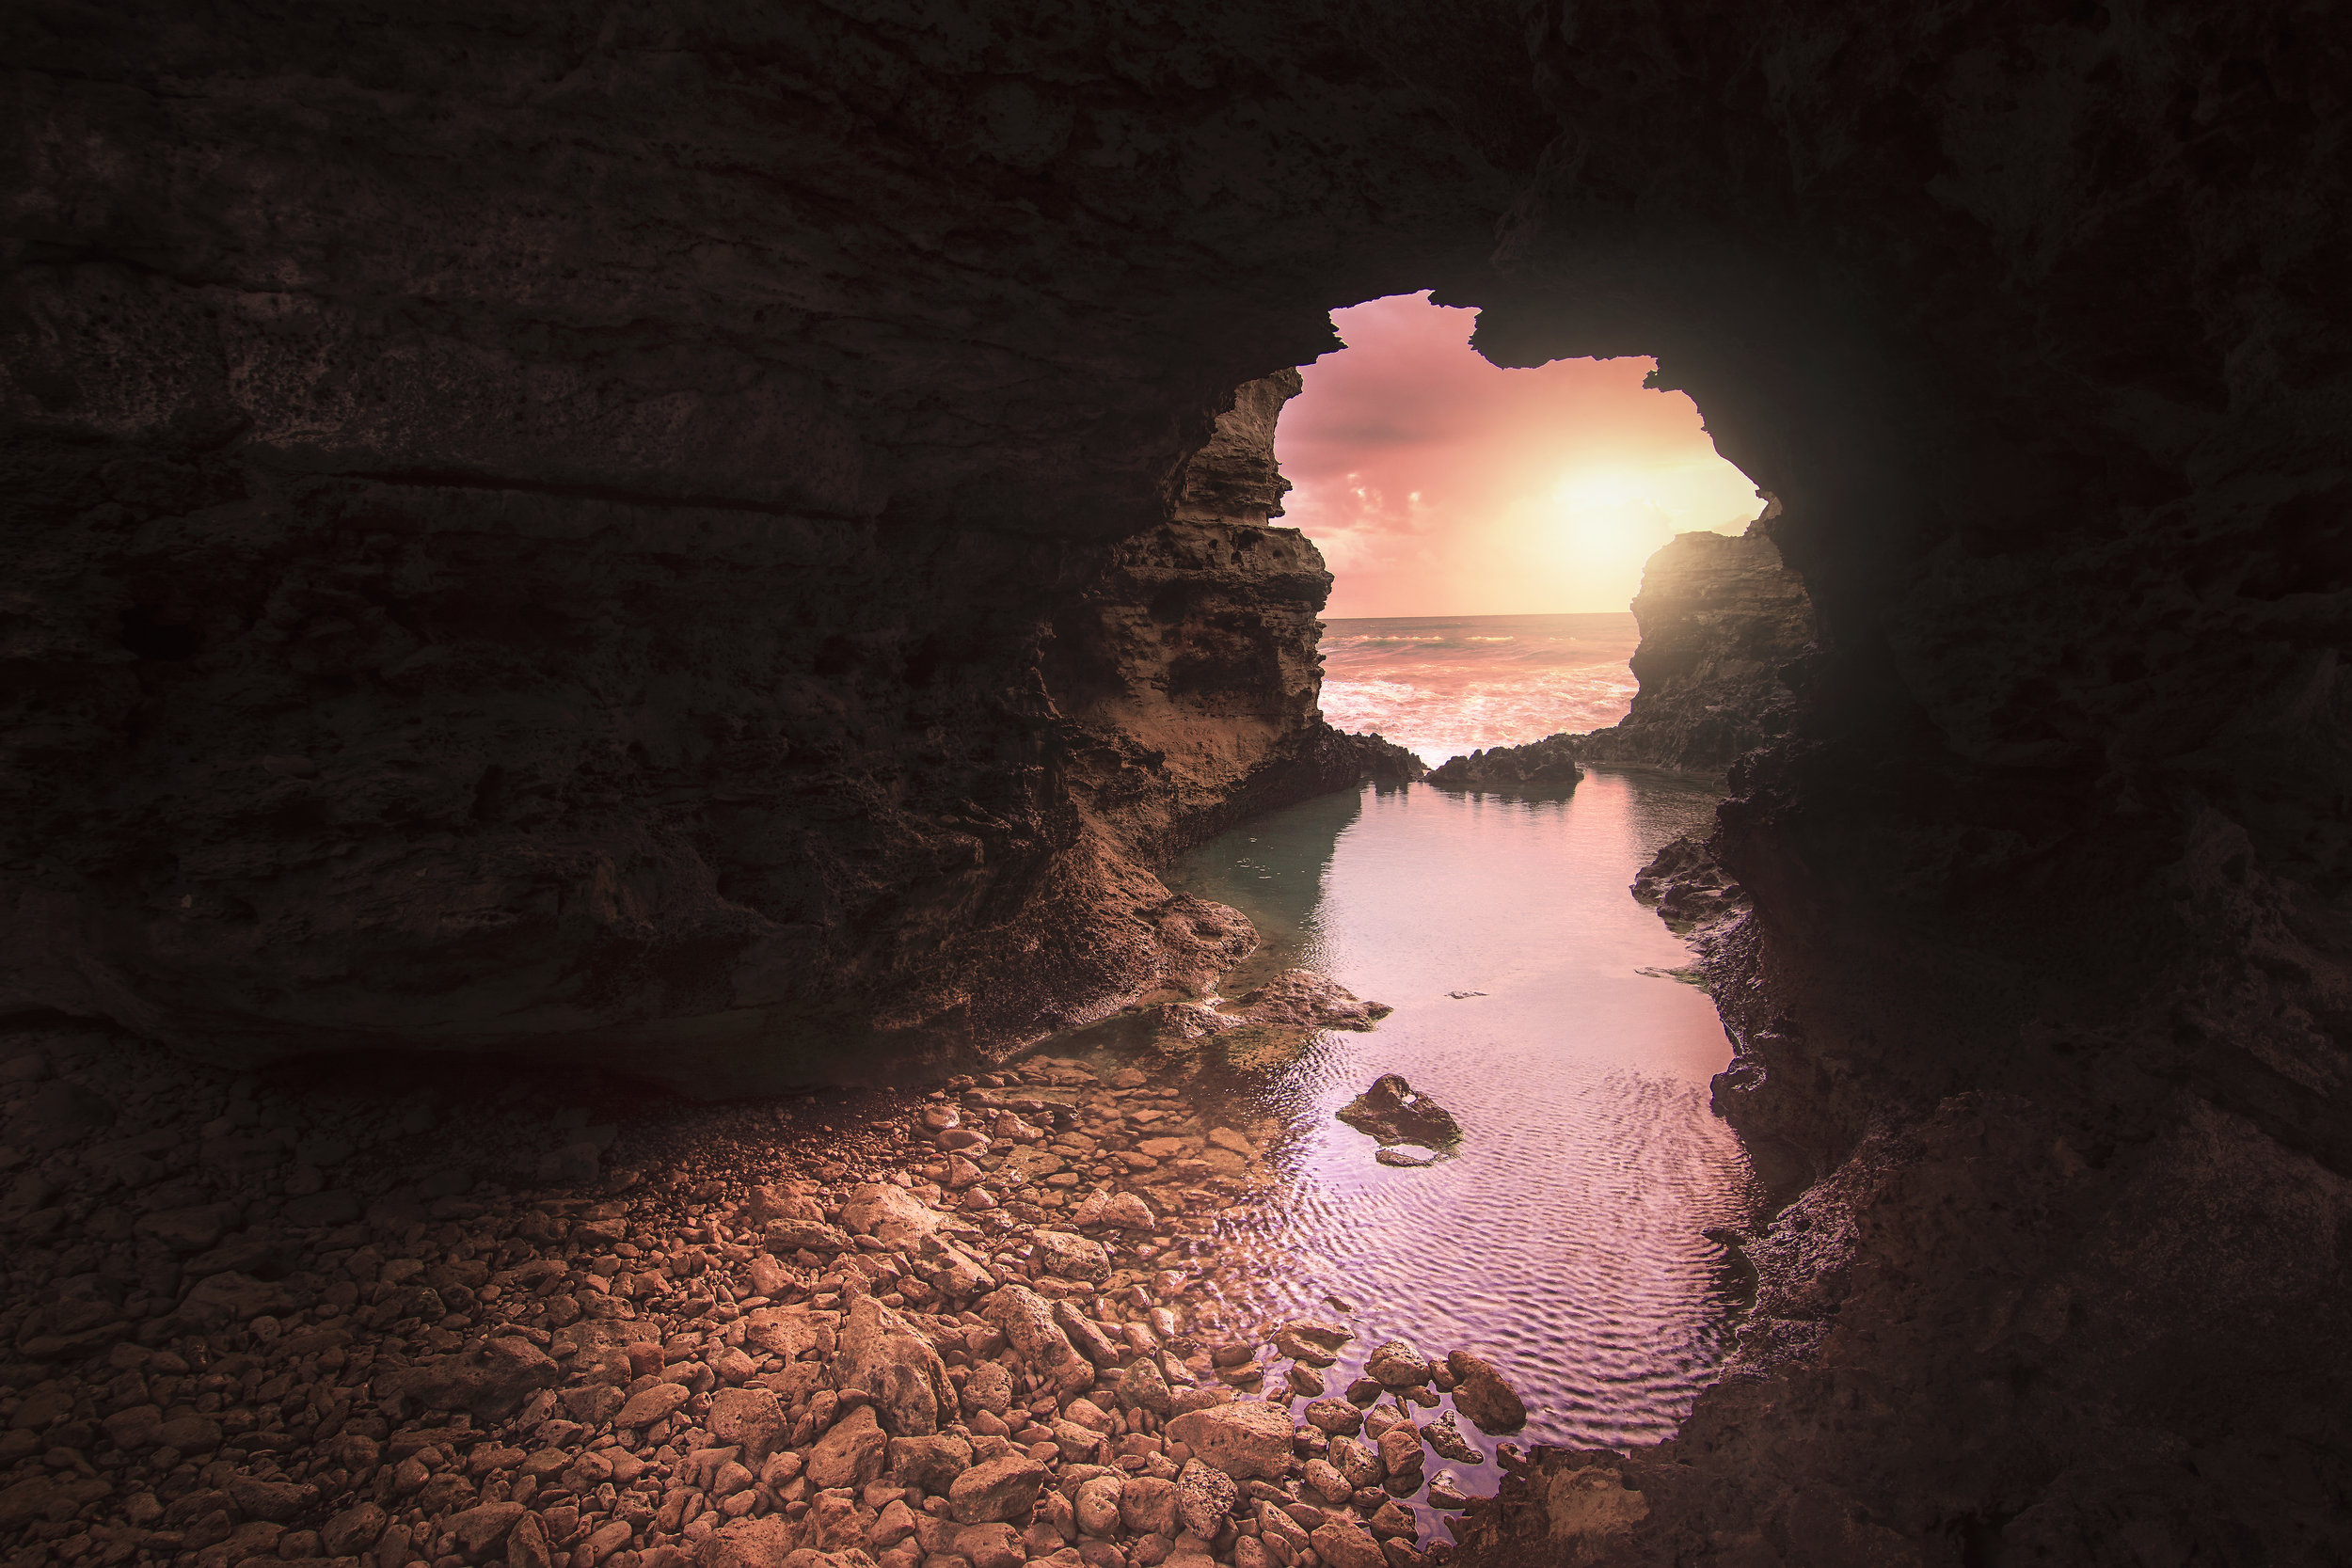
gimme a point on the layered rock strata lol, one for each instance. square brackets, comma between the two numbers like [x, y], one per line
[697, 792]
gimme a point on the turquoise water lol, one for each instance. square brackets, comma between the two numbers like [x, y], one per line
[1565, 1240]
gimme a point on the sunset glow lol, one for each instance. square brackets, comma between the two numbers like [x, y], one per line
[1436, 483]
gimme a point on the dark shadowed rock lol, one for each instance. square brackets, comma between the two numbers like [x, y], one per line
[1539, 767]
[490, 1382]
[1393, 1113]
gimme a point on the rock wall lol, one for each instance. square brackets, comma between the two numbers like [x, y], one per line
[1722, 619]
[543, 532]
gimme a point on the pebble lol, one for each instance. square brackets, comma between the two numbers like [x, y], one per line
[423, 1333]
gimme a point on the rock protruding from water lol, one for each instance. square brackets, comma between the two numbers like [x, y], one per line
[1480, 1394]
[1540, 767]
[1391, 1111]
[1302, 999]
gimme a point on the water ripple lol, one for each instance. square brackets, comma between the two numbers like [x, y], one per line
[1566, 1240]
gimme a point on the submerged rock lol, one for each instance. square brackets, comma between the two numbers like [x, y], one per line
[1273, 1020]
[1391, 1111]
[1304, 1000]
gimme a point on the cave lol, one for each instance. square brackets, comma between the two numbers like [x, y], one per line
[723, 548]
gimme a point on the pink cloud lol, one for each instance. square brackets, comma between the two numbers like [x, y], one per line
[1440, 484]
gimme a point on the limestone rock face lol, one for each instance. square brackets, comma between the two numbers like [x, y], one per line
[1722, 617]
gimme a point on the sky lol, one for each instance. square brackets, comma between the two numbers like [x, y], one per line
[1436, 483]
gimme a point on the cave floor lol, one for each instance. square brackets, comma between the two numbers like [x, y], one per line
[338, 1317]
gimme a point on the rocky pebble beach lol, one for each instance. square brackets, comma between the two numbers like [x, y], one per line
[319, 1322]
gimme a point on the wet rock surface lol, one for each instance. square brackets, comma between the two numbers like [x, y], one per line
[1692, 893]
[1269, 1021]
[739, 1333]
[1393, 1113]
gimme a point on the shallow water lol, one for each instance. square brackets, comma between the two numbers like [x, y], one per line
[1565, 1240]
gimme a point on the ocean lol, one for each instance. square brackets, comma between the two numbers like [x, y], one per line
[1444, 685]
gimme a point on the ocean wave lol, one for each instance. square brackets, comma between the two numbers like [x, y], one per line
[1445, 687]
[1435, 724]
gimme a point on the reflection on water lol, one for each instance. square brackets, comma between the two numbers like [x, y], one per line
[1567, 1239]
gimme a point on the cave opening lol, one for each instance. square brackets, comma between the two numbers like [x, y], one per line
[1550, 1181]
[1487, 527]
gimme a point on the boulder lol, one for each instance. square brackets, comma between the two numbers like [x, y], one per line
[768, 1204]
[353, 1531]
[1204, 1497]
[1028, 1321]
[1342, 1544]
[657, 1403]
[1446, 1439]
[481, 1528]
[1335, 1418]
[1392, 1112]
[998, 1490]
[1096, 1505]
[1480, 1394]
[795, 1235]
[1358, 1461]
[1147, 1504]
[1089, 1340]
[490, 1382]
[986, 1546]
[882, 1355]
[1072, 1257]
[1324, 1480]
[1400, 1449]
[789, 1331]
[1313, 1340]
[1115, 1210]
[1398, 1365]
[890, 1214]
[752, 1543]
[1302, 999]
[1143, 1387]
[1248, 1439]
[851, 1453]
[928, 1464]
[749, 1419]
